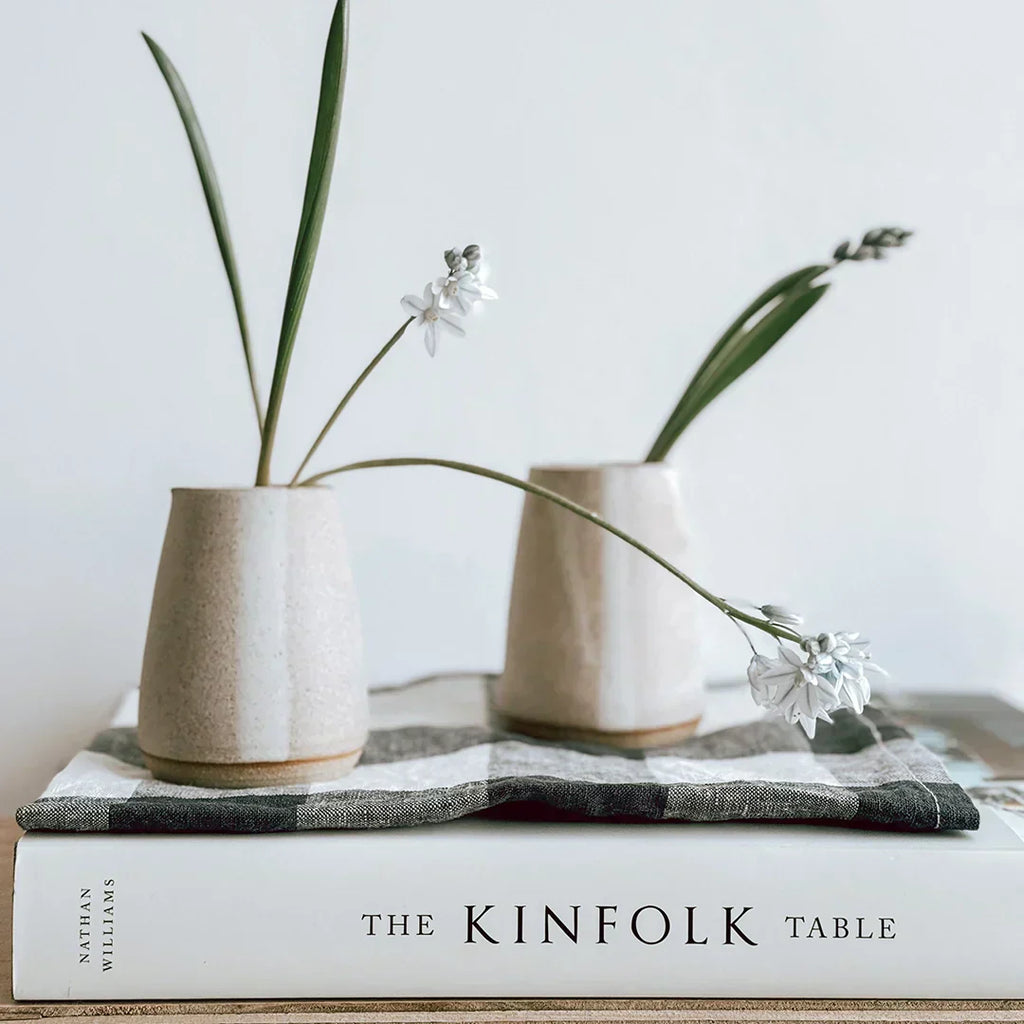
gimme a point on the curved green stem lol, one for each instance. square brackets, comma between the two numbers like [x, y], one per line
[584, 513]
[370, 367]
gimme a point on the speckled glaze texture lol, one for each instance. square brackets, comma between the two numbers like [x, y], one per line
[603, 644]
[252, 673]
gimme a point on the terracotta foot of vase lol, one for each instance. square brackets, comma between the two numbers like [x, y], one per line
[252, 774]
[637, 739]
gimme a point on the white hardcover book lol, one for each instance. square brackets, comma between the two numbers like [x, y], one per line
[485, 908]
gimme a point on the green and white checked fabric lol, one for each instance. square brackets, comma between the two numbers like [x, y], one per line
[433, 756]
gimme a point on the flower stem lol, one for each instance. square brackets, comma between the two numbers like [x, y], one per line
[584, 513]
[370, 367]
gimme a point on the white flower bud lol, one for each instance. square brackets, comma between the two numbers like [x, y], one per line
[456, 260]
[779, 616]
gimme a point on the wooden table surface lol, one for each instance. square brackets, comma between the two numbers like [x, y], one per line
[479, 1011]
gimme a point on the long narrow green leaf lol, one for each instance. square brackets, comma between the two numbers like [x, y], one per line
[214, 203]
[314, 205]
[796, 279]
[753, 345]
[721, 353]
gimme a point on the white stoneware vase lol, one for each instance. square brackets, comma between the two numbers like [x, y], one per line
[252, 674]
[602, 642]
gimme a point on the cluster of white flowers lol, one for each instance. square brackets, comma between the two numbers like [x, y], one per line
[827, 672]
[450, 298]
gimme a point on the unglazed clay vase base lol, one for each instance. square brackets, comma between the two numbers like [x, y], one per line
[641, 739]
[250, 776]
[252, 673]
[603, 643]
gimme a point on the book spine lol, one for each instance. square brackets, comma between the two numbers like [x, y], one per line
[596, 911]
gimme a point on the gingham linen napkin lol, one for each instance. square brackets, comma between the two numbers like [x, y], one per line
[432, 756]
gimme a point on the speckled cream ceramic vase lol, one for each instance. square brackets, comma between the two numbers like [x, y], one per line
[252, 674]
[603, 644]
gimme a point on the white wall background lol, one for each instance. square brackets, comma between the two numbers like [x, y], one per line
[638, 171]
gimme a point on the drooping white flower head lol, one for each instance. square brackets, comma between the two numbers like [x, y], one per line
[779, 616]
[788, 686]
[827, 673]
[428, 314]
[852, 658]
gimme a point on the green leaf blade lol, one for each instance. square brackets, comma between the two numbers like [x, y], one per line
[721, 354]
[314, 206]
[754, 345]
[797, 279]
[214, 204]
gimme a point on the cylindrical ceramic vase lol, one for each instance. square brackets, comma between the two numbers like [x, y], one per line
[252, 674]
[602, 642]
